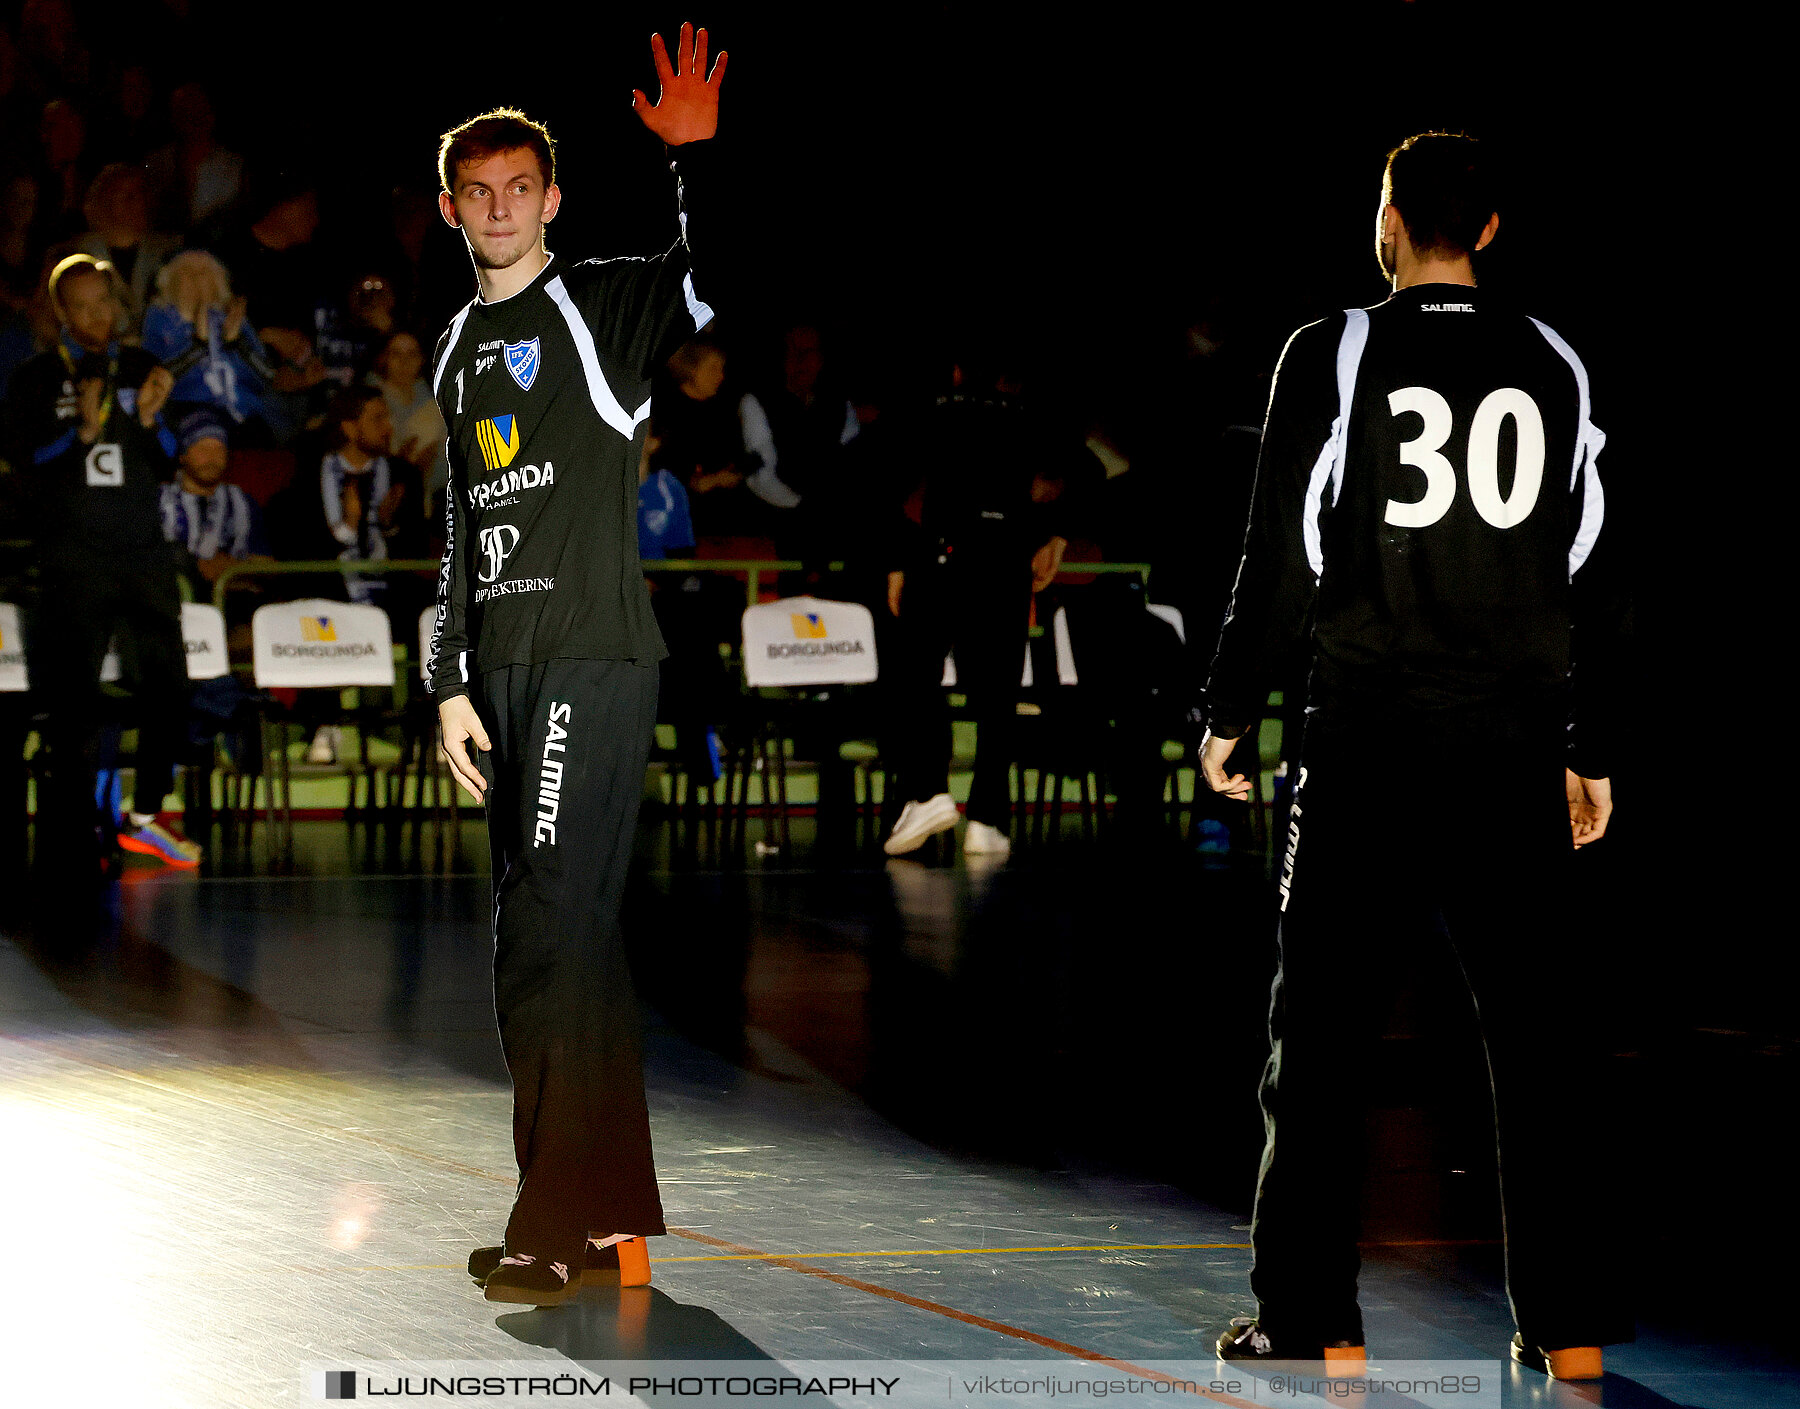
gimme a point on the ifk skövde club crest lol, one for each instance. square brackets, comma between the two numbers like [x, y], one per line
[523, 360]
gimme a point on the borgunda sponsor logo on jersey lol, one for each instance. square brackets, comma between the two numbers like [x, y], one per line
[498, 439]
[550, 775]
[506, 488]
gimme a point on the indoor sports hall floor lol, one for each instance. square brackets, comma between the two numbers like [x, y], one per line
[250, 1124]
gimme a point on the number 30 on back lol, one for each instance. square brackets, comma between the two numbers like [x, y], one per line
[1424, 453]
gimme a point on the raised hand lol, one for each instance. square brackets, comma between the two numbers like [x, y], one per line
[154, 395]
[687, 109]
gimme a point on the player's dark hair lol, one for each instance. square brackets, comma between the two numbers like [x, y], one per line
[1443, 190]
[499, 130]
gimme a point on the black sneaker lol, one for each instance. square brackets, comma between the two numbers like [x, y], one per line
[596, 1263]
[1246, 1340]
[520, 1277]
[1579, 1362]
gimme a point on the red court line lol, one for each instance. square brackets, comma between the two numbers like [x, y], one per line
[968, 1318]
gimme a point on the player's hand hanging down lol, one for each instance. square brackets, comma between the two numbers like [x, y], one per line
[1590, 806]
[461, 727]
[1214, 752]
[687, 109]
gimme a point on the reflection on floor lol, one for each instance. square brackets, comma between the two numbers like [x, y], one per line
[901, 1110]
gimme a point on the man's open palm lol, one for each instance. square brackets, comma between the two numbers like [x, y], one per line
[687, 110]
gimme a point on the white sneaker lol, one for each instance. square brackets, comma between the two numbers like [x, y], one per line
[919, 820]
[324, 745]
[983, 840]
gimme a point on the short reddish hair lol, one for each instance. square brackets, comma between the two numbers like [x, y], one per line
[500, 130]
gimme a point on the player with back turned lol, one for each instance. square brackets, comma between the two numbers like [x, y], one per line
[544, 657]
[1428, 517]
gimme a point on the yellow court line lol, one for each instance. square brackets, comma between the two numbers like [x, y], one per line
[949, 1252]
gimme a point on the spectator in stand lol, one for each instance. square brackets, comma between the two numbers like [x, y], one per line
[362, 494]
[794, 439]
[418, 424]
[349, 332]
[118, 218]
[275, 267]
[194, 179]
[84, 426]
[665, 525]
[398, 374]
[63, 172]
[214, 523]
[986, 538]
[360, 499]
[701, 443]
[200, 331]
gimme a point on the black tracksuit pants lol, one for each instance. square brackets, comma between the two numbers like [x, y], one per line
[571, 740]
[1396, 828]
[979, 608]
[66, 636]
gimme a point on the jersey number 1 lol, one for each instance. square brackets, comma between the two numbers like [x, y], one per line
[459, 377]
[1425, 454]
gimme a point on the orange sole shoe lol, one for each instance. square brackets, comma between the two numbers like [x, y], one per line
[144, 848]
[634, 1262]
[1576, 1362]
[1346, 1362]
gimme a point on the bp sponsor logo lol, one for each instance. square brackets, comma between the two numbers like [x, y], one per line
[498, 437]
[811, 638]
[523, 360]
[497, 544]
[505, 489]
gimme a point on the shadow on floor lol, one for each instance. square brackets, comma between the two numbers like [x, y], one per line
[630, 1323]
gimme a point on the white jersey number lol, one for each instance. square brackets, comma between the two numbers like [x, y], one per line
[1424, 453]
[459, 390]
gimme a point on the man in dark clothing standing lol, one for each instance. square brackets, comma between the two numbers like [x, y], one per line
[1428, 516]
[961, 584]
[545, 657]
[84, 428]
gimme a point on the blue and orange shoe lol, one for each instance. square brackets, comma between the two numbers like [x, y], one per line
[157, 840]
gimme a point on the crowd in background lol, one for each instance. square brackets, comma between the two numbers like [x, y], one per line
[301, 423]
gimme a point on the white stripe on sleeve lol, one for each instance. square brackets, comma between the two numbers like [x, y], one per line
[1590, 440]
[1329, 467]
[599, 391]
